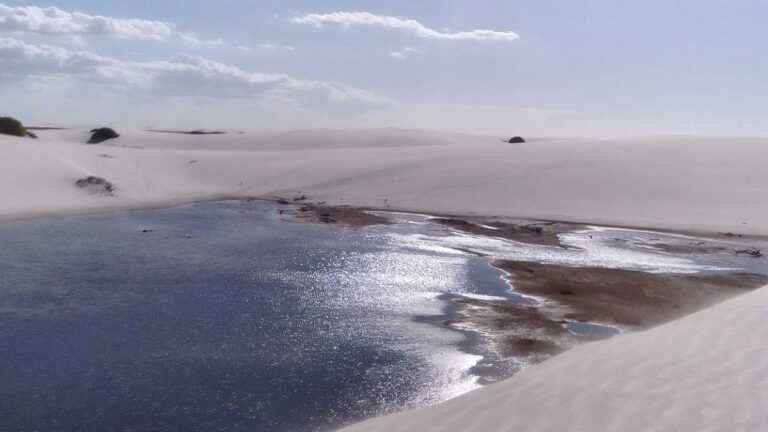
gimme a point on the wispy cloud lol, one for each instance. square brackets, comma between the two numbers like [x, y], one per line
[403, 53]
[348, 19]
[53, 21]
[276, 47]
[179, 77]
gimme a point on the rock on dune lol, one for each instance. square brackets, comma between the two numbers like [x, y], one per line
[516, 140]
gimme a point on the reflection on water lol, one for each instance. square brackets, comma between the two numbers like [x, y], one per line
[221, 316]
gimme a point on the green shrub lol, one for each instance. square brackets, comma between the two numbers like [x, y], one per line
[11, 126]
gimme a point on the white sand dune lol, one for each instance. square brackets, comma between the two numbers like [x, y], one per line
[706, 372]
[709, 184]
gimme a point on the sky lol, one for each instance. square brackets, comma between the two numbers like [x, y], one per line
[508, 67]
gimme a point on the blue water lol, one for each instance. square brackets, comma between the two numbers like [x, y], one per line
[227, 316]
[223, 317]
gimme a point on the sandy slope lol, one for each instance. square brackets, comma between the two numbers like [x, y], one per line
[692, 183]
[706, 372]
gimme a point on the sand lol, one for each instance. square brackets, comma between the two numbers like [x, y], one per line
[703, 184]
[705, 372]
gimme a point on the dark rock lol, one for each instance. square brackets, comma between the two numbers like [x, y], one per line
[11, 126]
[96, 184]
[516, 140]
[205, 132]
[300, 198]
[30, 134]
[534, 229]
[102, 134]
[757, 253]
[283, 201]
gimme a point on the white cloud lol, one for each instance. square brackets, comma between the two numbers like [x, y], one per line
[347, 19]
[403, 53]
[185, 76]
[276, 47]
[54, 21]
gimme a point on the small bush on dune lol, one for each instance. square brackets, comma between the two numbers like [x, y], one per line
[102, 134]
[11, 126]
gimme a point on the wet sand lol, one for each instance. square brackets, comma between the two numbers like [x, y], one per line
[302, 209]
[526, 231]
[559, 306]
[627, 298]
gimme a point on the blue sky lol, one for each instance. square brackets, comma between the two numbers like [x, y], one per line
[576, 67]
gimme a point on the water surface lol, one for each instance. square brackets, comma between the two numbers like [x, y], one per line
[221, 316]
[224, 316]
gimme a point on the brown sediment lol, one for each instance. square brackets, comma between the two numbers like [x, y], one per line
[519, 330]
[525, 231]
[342, 215]
[616, 300]
[626, 298]
[691, 247]
[188, 132]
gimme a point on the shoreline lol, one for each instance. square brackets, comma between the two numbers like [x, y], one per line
[277, 197]
[494, 316]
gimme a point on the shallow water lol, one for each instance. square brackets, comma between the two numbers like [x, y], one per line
[223, 316]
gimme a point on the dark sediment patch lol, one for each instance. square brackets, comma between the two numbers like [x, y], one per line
[188, 132]
[692, 247]
[96, 185]
[525, 231]
[579, 305]
[342, 215]
[519, 334]
[627, 298]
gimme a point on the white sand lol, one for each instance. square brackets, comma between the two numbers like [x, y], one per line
[712, 184]
[706, 372]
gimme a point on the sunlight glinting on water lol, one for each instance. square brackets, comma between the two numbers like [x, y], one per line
[387, 286]
[583, 250]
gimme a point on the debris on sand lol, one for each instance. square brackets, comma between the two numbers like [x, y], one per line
[757, 253]
[96, 185]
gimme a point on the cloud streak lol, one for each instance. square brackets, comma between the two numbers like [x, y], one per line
[185, 76]
[54, 21]
[348, 19]
[403, 53]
